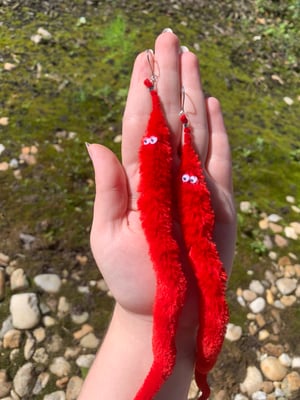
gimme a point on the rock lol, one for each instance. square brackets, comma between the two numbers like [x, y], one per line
[2, 148]
[290, 199]
[2, 283]
[263, 224]
[29, 348]
[85, 329]
[252, 382]
[259, 395]
[49, 321]
[296, 362]
[50, 283]
[44, 33]
[249, 295]
[24, 310]
[274, 218]
[85, 360]
[290, 233]
[263, 335]
[12, 339]
[118, 139]
[5, 386]
[285, 360]
[269, 296]
[4, 260]
[296, 227]
[240, 397]
[39, 334]
[257, 305]
[18, 280]
[260, 320]
[27, 240]
[102, 285]
[286, 285]
[288, 301]
[275, 228]
[55, 344]
[245, 207]
[291, 384]
[280, 241]
[4, 121]
[233, 332]
[79, 319]
[267, 386]
[288, 100]
[58, 395]
[40, 356]
[41, 382]
[63, 307]
[90, 341]
[273, 369]
[73, 388]
[273, 349]
[60, 367]
[6, 326]
[257, 287]
[24, 380]
[61, 383]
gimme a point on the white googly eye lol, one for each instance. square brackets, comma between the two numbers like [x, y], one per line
[193, 179]
[147, 140]
[153, 139]
[185, 178]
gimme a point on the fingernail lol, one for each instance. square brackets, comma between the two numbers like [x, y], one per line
[184, 49]
[167, 30]
[87, 145]
[150, 51]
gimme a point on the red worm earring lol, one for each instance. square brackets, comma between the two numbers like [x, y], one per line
[197, 221]
[156, 213]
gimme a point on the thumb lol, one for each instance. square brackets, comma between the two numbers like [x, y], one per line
[111, 188]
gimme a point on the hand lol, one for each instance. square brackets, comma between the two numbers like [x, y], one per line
[117, 239]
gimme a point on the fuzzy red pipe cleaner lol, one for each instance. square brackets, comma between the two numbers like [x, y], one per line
[156, 212]
[197, 220]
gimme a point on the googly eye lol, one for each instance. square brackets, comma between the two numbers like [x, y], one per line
[146, 141]
[185, 178]
[193, 179]
[153, 139]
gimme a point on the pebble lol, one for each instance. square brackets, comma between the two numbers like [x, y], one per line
[259, 395]
[63, 307]
[85, 329]
[85, 360]
[288, 301]
[2, 283]
[296, 362]
[41, 382]
[274, 218]
[233, 332]
[12, 339]
[257, 305]
[296, 227]
[50, 283]
[291, 384]
[60, 367]
[79, 319]
[252, 382]
[5, 385]
[286, 285]
[273, 369]
[58, 395]
[23, 381]
[90, 341]
[288, 100]
[40, 356]
[29, 348]
[280, 241]
[39, 334]
[290, 233]
[240, 397]
[4, 260]
[24, 310]
[73, 388]
[245, 207]
[257, 287]
[263, 335]
[4, 121]
[285, 360]
[249, 295]
[18, 280]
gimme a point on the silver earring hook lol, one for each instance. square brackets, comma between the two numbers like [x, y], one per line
[151, 65]
[182, 99]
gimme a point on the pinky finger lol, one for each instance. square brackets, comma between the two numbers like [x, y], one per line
[218, 161]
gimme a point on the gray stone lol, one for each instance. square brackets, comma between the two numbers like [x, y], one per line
[24, 310]
[85, 360]
[259, 395]
[41, 382]
[90, 341]
[24, 380]
[40, 356]
[6, 326]
[257, 305]
[257, 287]
[60, 367]
[58, 395]
[50, 283]
[233, 332]
[80, 319]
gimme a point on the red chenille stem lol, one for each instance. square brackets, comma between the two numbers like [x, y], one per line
[156, 214]
[197, 221]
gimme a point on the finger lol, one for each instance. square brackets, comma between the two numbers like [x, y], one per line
[218, 161]
[136, 114]
[167, 69]
[194, 104]
[111, 191]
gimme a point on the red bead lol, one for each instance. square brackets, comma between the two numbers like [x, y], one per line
[148, 83]
[183, 119]
[187, 129]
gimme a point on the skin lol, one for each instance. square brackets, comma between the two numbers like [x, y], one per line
[117, 239]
